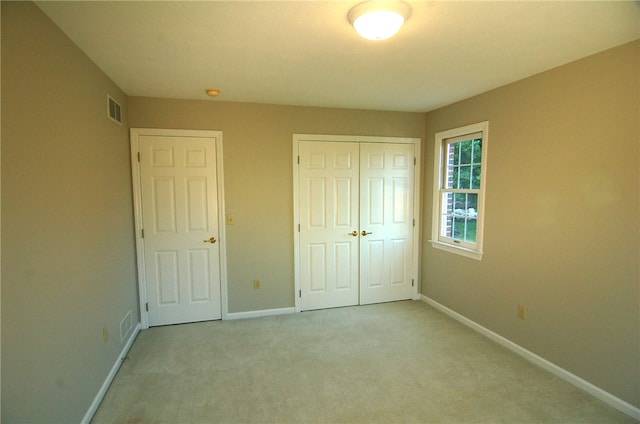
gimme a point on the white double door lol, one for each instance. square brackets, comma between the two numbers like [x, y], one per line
[179, 212]
[356, 234]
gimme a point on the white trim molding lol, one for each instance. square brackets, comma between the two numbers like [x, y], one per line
[580, 383]
[137, 206]
[261, 313]
[112, 374]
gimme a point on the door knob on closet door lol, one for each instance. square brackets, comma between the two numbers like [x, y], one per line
[354, 233]
[211, 240]
[365, 233]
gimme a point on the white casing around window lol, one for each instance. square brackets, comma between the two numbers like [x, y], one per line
[443, 243]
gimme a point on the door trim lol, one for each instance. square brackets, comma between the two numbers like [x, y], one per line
[297, 138]
[137, 207]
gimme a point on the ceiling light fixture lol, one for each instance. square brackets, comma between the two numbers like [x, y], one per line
[213, 92]
[379, 19]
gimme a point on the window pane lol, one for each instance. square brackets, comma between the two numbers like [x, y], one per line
[453, 181]
[463, 165]
[462, 228]
[475, 176]
[448, 204]
[464, 180]
[472, 205]
[456, 153]
[447, 215]
[458, 228]
[470, 235]
[459, 202]
[459, 216]
[447, 226]
[477, 150]
[465, 151]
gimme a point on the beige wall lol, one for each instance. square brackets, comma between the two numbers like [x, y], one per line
[562, 230]
[258, 149]
[68, 260]
[562, 214]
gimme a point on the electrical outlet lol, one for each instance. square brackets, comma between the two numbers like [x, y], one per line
[522, 311]
[105, 334]
[257, 284]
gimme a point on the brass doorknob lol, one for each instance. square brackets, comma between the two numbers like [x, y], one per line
[211, 240]
[365, 233]
[353, 233]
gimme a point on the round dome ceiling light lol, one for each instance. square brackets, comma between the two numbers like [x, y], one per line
[213, 92]
[379, 19]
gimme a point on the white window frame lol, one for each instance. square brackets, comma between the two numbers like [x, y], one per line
[469, 250]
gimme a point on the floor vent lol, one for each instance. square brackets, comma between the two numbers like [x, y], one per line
[114, 110]
[125, 326]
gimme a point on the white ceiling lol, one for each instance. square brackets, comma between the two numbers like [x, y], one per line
[306, 53]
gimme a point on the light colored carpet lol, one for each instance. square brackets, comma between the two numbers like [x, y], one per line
[401, 362]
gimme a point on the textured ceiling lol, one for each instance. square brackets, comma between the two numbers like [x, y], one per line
[306, 53]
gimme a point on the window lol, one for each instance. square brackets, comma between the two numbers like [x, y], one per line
[458, 193]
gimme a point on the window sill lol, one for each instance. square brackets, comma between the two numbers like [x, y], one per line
[457, 250]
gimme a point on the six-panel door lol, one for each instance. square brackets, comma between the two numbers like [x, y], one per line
[328, 185]
[180, 216]
[356, 222]
[386, 222]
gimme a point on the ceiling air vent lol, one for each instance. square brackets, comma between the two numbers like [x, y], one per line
[114, 110]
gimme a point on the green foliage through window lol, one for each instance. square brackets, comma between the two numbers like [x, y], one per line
[462, 176]
[465, 164]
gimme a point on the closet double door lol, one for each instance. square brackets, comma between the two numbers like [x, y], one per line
[356, 232]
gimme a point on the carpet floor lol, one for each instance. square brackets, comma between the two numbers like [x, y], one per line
[401, 362]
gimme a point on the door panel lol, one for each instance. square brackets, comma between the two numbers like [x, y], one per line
[386, 175]
[197, 211]
[200, 289]
[328, 196]
[166, 264]
[164, 209]
[180, 213]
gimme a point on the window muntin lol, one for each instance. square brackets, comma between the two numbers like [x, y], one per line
[458, 189]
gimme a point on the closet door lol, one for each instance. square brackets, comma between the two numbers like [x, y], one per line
[386, 222]
[356, 223]
[328, 208]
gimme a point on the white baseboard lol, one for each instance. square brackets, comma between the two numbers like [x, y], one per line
[107, 382]
[262, 313]
[584, 385]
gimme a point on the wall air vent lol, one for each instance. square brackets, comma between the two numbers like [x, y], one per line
[114, 110]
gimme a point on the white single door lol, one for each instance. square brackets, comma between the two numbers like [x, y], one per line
[178, 185]
[328, 196]
[386, 222]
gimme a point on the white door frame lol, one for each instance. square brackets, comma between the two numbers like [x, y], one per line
[137, 206]
[297, 138]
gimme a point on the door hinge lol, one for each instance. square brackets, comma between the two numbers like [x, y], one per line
[414, 161]
[299, 293]
[138, 156]
[142, 232]
[298, 159]
[414, 222]
[298, 227]
[146, 306]
[412, 282]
